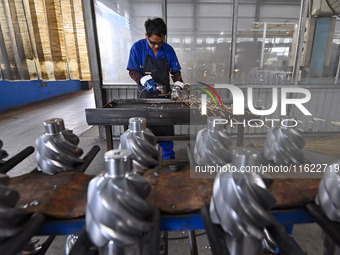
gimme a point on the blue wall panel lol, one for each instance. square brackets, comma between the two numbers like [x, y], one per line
[18, 93]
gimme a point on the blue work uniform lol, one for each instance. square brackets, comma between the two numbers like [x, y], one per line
[143, 60]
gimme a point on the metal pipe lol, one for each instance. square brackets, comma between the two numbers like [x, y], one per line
[192, 242]
[282, 238]
[151, 239]
[195, 30]
[87, 159]
[337, 73]
[164, 236]
[299, 44]
[100, 94]
[215, 234]
[108, 135]
[15, 244]
[94, 52]
[165, 13]
[263, 43]
[331, 228]
[233, 42]
[12, 162]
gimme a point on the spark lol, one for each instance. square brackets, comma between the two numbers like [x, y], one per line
[335, 123]
[318, 119]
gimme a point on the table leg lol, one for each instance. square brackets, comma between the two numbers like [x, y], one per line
[192, 242]
[240, 134]
[109, 142]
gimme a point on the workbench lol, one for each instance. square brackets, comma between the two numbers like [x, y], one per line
[155, 111]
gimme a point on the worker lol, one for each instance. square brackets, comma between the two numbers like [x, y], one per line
[151, 62]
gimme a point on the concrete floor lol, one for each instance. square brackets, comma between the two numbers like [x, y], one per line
[20, 127]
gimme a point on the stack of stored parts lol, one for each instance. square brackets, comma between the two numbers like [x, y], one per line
[57, 149]
[284, 146]
[329, 201]
[213, 144]
[141, 142]
[3, 153]
[116, 214]
[241, 204]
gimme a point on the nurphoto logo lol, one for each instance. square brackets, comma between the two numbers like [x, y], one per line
[283, 95]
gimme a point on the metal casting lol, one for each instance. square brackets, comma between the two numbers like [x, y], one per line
[213, 145]
[57, 149]
[241, 204]
[116, 214]
[141, 142]
[284, 146]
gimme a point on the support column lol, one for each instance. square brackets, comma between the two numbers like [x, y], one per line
[320, 46]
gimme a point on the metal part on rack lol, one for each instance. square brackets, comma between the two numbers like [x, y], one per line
[3, 153]
[87, 159]
[57, 149]
[329, 200]
[284, 146]
[141, 142]
[116, 214]
[213, 144]
[241, 204]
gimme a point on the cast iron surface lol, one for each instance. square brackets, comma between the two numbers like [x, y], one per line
[141, 142]
[180, 193]
[284, 146]
[62, 195]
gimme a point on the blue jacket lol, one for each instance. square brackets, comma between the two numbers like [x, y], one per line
[141, 49]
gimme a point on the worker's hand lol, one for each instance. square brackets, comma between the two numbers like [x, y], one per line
[150, 85]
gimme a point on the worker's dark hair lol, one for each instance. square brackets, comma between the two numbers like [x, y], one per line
[155, 26]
